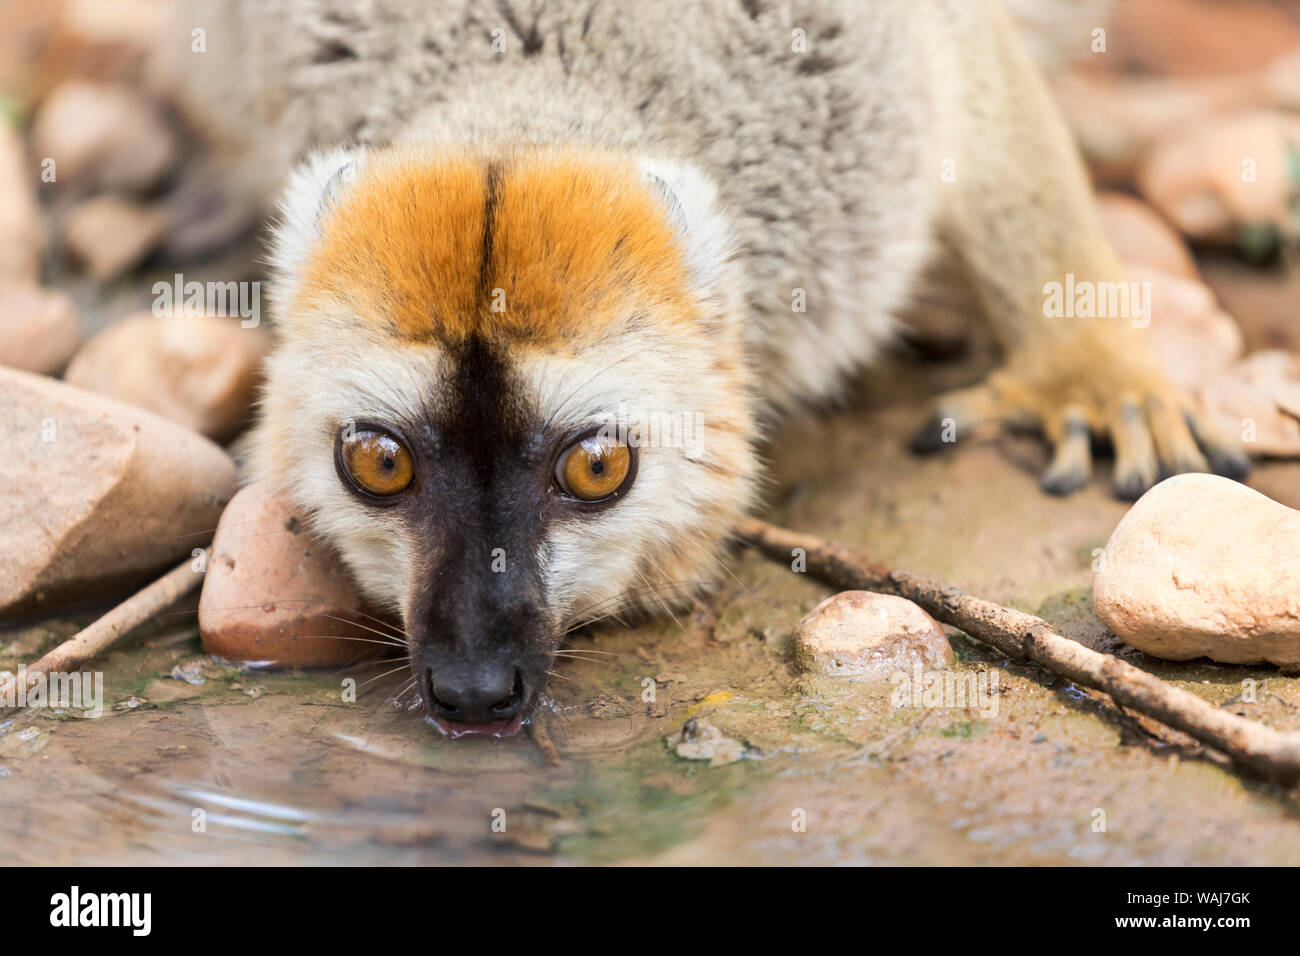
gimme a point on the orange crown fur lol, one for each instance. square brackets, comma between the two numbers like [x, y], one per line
[542, 245]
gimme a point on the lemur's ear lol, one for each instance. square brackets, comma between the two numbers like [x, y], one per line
[313, 189]
[691, 203]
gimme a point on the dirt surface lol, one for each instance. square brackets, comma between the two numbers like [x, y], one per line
[194, 762]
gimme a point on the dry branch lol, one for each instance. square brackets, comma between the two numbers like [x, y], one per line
[541, 735]
[1269, 752]
[99, 636]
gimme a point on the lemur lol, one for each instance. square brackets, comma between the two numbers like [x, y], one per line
[525, 231]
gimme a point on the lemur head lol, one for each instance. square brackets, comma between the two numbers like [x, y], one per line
[509, 389]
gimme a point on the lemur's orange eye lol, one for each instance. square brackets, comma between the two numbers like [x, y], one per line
[593, 468]
[376, 462]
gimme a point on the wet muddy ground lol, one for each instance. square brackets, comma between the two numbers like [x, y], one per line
[193, 762]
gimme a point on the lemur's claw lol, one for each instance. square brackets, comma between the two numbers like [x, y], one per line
[1223, 458]
[929, 439]
[1150, 426]
[955, 414]
[1071, 466]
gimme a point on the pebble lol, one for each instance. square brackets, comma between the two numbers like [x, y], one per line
[1257, 401]
[110, 235]
[700, 740]
[1141, 236]
[21, 233]
[1192, 337]
[1202, 566]
[1222, 173]
[105, 136]
[40, 329]
[860, 634]
[201, 371]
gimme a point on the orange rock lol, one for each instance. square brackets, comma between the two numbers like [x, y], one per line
[273, 594]
[1198, 37]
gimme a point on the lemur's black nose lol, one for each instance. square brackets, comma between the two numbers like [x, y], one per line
[485, 697]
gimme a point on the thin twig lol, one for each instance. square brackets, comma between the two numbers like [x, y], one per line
[102, 634]
[1269, 752]
[542, 737]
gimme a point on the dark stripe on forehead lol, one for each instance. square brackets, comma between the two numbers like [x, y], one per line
[491, 197]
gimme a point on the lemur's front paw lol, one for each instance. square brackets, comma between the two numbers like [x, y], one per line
[1152, 425]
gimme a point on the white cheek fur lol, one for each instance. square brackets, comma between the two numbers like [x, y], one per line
[660, 541]
[313, 389]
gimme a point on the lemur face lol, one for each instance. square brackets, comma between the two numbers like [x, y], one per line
[510, 391]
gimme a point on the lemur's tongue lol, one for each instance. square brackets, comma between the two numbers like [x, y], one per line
[500, 728]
